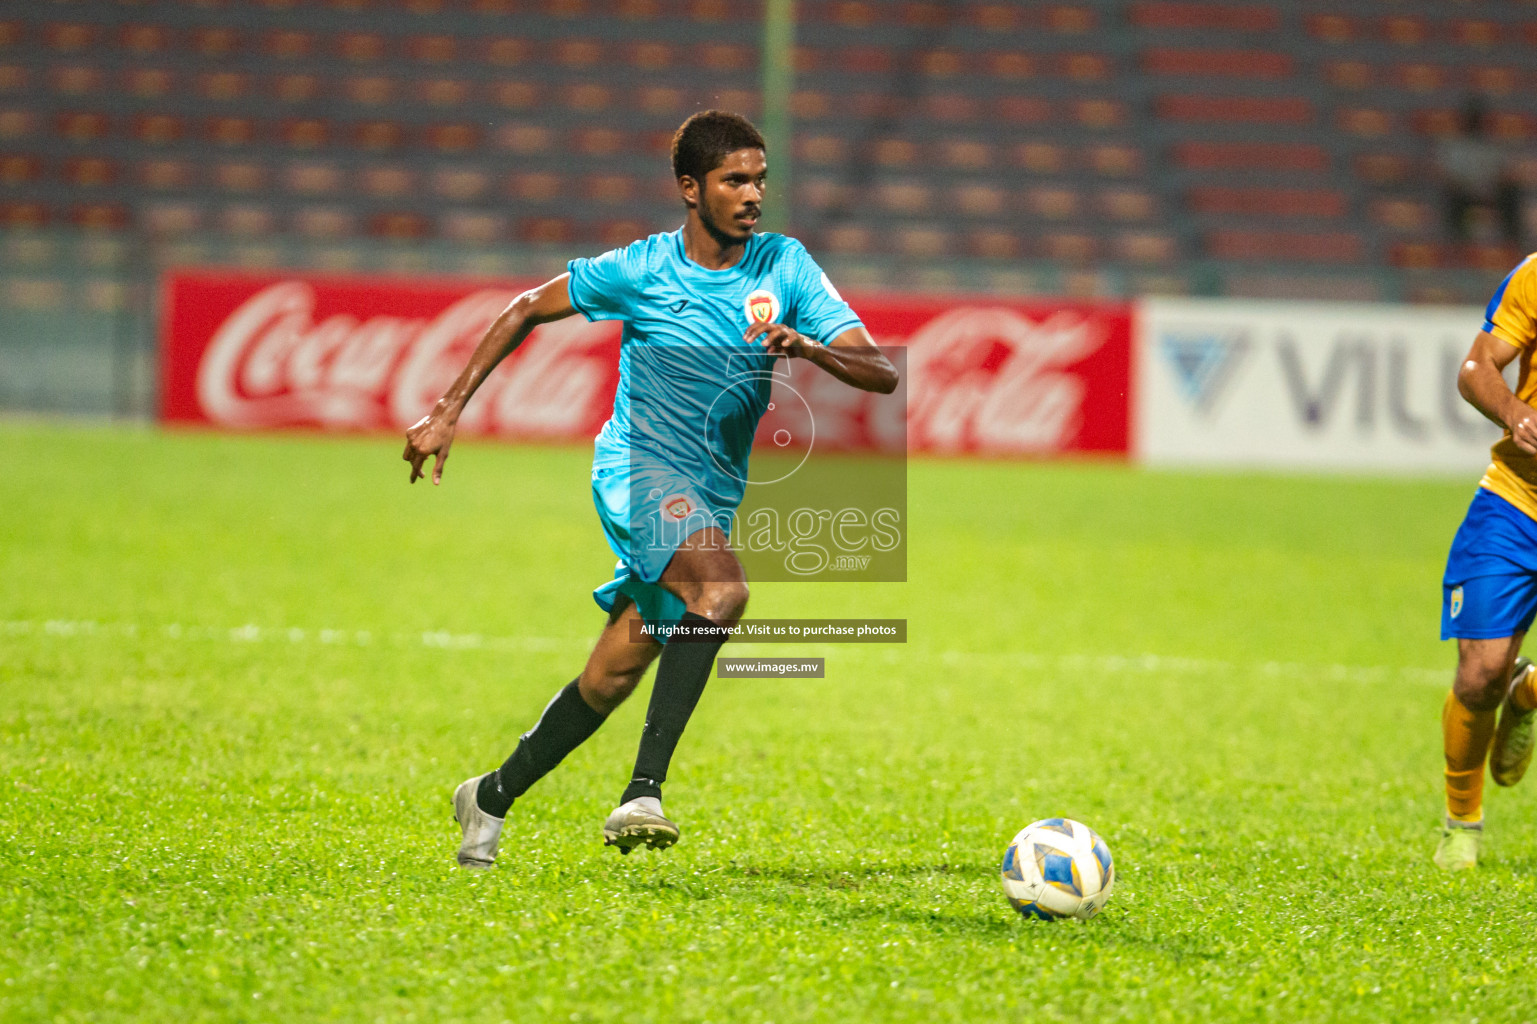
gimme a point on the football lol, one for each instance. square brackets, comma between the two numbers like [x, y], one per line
[1057, 868]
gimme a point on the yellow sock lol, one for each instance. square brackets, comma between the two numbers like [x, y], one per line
[1466, 735]
[1524, 694]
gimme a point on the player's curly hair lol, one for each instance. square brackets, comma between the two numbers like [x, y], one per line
[703, 142]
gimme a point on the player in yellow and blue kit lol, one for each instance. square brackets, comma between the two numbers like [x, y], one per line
[707, 310]
[1490, 586]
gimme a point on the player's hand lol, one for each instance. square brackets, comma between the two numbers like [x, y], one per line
[433, 434]
[779, 340]
[1524, 431]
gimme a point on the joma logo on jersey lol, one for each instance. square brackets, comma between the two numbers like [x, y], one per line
[677, 506]
[762, 307]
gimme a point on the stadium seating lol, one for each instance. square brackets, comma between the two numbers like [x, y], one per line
[1146, 132]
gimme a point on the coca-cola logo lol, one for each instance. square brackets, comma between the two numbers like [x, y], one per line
[996, 379]
[272, 363]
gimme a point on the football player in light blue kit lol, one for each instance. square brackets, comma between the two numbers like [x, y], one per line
[707, 311]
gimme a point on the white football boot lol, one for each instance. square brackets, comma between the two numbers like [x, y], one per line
[477, 850]
[639, 822]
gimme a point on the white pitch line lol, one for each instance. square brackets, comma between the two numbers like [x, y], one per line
[1070, 664]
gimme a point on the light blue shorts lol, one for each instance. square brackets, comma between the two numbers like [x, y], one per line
[647, 513]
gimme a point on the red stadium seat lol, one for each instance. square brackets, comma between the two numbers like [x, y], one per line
[23, 214]
[432, 49]
[387, 181]
[1335, 29]
[821, 149]
[1114, 161]
[1280, 156]
[82, 126]
[810, 104]
[727, 57]
[1069, 19]
[819, 193]
[1405, 30]
[1476, 32]
[170, 219]
[508, 51]
[1250, 109]
[1083, 67]
[158, 129]
[1127, 205]
[1099, 114]
[296, 88]
[229, 131]
[149, 83]
[240, 176]
[377, 136]
[167, 174]
[215, 43]
[953, 107]
[1436, 122]
[472, 227]
[360, 47]
[1040, 157]
[1366, 122]
[587, 96]
[968, 154]
[1011, 64]
[578, 54]
[89, 171]
[1295, 246]
[223, 86]
[443, 92]
[609, 189]
[1383, 168]
[547, 230]
[612, 234]
[977, 199]
[305, 132]
[650, 55]
[1052, 202]
[314, 177]
[17, 124]
[1495, 81]
[453, 138]
[1263, 64]
[1023, 110]
[661, 100]
[76, 79]
[1070, 247]
[14, 78]
[849, 239]
[1149, 248]
[894, 152]
[565, 9]
[1268, 202]
[942, 63]
[143, 40]
[600, 142]
[99, 216]
[993, 244]
[1349, 74]
[288, 44]
[20, 168]
[518, 137]
[1417, 255]
[536, 186]
[1248, 18]
[1421, 77]
[628, 10]
[1405, 216]
[922, 241]
[70, 37]
[399, 224]
[907, 197]
[369, 90]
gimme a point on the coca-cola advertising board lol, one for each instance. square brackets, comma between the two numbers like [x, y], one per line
[354, 353]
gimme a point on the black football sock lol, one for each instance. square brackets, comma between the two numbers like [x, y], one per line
[680, 678]
[567, 722]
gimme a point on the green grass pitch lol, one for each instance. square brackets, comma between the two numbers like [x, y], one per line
[240, 677]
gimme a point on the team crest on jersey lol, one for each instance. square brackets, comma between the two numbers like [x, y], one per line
[677, 506]
[762, 307]
[1456, 602]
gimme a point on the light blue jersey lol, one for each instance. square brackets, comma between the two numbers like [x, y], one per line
[691, 392]
[682, 365]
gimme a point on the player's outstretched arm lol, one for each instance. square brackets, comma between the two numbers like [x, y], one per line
[852, 356]
[433, 434]
[1482, 384]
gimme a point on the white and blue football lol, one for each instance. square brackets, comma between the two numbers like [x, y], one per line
[1057, 868]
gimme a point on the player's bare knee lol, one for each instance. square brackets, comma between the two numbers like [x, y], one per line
[721, 602]
[606, 690]
[1480, 683]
